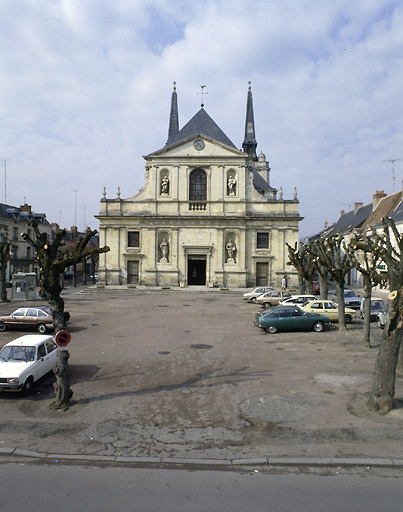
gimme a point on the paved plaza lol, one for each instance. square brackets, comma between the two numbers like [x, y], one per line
[162, 373]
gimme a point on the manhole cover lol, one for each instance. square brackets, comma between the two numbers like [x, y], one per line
[201, 347]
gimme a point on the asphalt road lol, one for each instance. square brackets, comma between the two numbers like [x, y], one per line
[50, 487]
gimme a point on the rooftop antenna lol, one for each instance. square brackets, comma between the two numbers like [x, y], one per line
[75, 206]
[4, 164]
[202, 92]
[350, 205]
[84, 207]
[392, 161]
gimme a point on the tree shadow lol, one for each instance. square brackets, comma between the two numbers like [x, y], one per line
[208, 379]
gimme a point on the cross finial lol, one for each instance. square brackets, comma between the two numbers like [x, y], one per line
[174, 86]
[202, 92]
[250, 85]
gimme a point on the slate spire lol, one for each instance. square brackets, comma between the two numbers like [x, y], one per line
[174, 117]
[249, 144]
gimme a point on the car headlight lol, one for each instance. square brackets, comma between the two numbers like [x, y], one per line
[13, 380]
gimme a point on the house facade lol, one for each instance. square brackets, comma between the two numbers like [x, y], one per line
[207, 214]
[14, 221]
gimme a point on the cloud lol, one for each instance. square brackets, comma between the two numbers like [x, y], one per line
[86, 89]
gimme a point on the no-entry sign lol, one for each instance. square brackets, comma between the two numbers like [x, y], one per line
[63, 338]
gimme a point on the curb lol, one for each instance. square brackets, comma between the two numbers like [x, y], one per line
[339, 462]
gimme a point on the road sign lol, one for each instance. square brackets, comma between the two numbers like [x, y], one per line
[63, 338]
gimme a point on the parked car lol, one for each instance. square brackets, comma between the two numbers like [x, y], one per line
[272, 298]
[377, 306]
[297, 300]
[351, 299]
[25, 360]
[290, 318]
[39, 318]
[329, 309]
[316, 287]
[252, 296]
[381, 319]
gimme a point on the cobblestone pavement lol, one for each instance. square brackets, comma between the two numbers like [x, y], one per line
[185, 374]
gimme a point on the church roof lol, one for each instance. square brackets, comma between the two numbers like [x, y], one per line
[259, 182]
[201, 124]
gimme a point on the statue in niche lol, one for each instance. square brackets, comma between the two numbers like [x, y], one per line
[165, 186]
[231, 186]
[164, 246]
[230, 248]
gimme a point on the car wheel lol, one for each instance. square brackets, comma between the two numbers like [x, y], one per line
[41, 328]
[28, 386]
[318, 326]
[266, 305]
[271, 329]
[348, 319]
[3, 327]
[253, 300]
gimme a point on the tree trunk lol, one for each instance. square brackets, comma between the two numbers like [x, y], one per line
[300, 284]
[367, 314]
[322, 284]
[309, 286]
[383, 385]
[3, 286]
[62, 384]
[4, 257]
[340, 303]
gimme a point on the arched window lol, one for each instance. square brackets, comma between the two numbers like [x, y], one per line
[198, 185]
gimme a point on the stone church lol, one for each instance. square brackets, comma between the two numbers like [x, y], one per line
[207, 214]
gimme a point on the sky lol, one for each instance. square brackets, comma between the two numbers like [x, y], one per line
[85, 90]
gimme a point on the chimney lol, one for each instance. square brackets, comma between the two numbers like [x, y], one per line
[56, 227]
[357, 206]
[74, 230]
[342, 212]
[326, 224]
[380, 194]
[26, 208]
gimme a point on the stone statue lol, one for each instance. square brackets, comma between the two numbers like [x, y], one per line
[231, 248]
[164, 186]
[164, 246]
[231, 184]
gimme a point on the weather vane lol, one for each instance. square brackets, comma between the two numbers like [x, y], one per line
[202, 92]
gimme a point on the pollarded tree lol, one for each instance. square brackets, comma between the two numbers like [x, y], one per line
[4, 258]
[54, 258]
[332, 256]
[367, 263]
[388, 246]
[304, 263]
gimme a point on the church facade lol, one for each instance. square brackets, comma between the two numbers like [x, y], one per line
[206, 215]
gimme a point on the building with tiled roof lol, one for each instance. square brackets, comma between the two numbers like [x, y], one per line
[14, 221]
[207, 214]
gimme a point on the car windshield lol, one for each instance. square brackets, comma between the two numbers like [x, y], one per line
[11, 353]
[378, 305]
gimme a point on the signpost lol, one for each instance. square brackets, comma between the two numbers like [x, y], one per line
[63, 338]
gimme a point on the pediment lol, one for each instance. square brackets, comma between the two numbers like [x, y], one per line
[186, 148]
